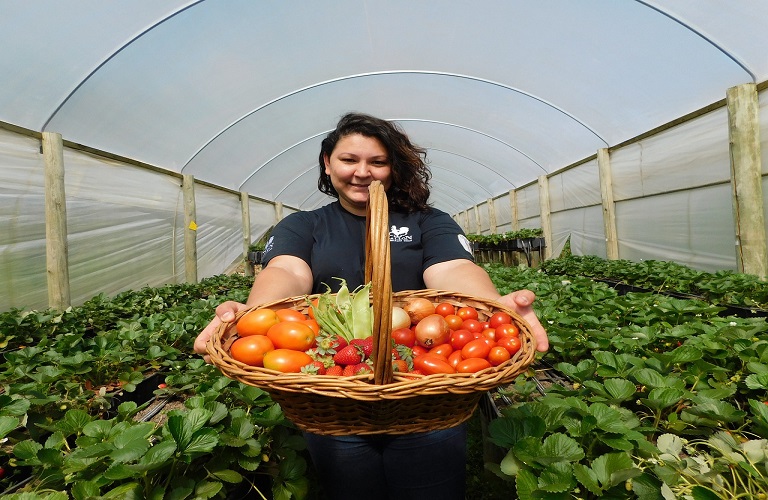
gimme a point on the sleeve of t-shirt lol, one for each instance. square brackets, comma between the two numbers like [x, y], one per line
[443, 239]
[289, 237]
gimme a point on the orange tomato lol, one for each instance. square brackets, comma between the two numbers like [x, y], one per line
[286, 360]
[313, 325]
[467, 312]
[472, 365]
[256, 322]
[290, 315]
[477, 348]
[498, 355]
[454, 321]
[291, 335]
[443, 350]
[311, 311]
[430, 364]
[455, 358]
[251, 349]
[445, 309]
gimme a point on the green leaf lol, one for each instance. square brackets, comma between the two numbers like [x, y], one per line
[556, 447]
[620, 389]
[685, 354]
[557, 478]
[7, 424]
[203, 441]
[588, 478]
[510, 465]
[207, 489]
[158, 455]
[526, 484]
[228, 476]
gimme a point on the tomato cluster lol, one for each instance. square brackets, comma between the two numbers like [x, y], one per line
[473, 344]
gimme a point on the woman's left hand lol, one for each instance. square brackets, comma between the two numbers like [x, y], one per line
[521, 302]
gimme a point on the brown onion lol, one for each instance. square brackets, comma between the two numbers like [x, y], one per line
[419, 308]
[400, 318]
[432, 331]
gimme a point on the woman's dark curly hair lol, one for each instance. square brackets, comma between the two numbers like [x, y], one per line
[409, 191]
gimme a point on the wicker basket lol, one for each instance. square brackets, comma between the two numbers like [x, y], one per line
[383, 402]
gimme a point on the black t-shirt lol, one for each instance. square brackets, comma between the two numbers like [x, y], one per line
[332, 242]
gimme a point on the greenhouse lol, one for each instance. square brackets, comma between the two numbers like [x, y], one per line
[608, 155]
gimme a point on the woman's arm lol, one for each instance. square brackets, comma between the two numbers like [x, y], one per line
[464, 276]
[285, 276]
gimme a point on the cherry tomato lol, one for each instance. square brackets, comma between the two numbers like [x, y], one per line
[430, 364]
[251, 349]
[472, 365]
[489, 333]
[418, 350]
[256, 322]
[443, 350]
[498, 355]
[499, 318]
[467, 312]
[290, 315]
[485, 325]
[286, 360]
[291, 335]
[454, 358]
[507, 330]
[445, 309]
[454, 321]
[511, 344]
[460, 338]
[404, 336]
[477, 348]
[472, 325]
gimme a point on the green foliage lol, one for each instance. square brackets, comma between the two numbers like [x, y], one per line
[495, 239]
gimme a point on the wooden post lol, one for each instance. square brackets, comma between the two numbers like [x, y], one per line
[466, 221]
[746, 181]
[190, 228]
[56, 246]
[609, 207]
[278, 212]
[492, 215]
[478, 224]
[246, 216]
[546, 224]
[513, 206]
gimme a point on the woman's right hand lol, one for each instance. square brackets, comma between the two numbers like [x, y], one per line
[225, 313]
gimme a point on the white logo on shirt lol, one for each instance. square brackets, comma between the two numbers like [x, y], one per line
[399, 234]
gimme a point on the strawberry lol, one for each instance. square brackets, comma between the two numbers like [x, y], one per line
[334, 370]
[361, 368]
[399, 365]
[348, 371]
[315, 367]
[349, 355]
[366, 344]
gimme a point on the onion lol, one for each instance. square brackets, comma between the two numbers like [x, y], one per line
[432, 331]
[400, 318]
[419, 308]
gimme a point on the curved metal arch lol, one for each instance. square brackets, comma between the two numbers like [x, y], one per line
[702, 36]
[390, 72]
[112, 56]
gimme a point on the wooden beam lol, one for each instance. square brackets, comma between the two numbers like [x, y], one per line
[246, 217]
[190, 228]
[57, 249]
[492, 215]
[546, 220]
[478, 224]
[746, 179]
[513, 207]
[609, 206]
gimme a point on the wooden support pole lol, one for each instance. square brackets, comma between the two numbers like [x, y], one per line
[190, 228]
[478, 224]
[609, 206]
[546, 222]
[492, 215]
[246, 216]
[746, 179]
[278, 212]
[513, 207]
[57, 248]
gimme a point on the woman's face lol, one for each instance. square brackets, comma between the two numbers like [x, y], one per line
[354, 163]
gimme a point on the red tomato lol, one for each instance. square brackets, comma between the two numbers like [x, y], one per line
[498, 355]
[430, 364]
[499, 318]
[445, 309]
[251, 349]
[467, 312]
[443, 350]
[290, 315]
[256, 322]
[454, 358]
[454, 321]
[286, 360]
[459, 339]
[418, 350]
[477, 348]
[472, 325]
[404, 336]
[472, 365]
[489, 333]
[291, 335]
[507, 330]
[485, 325]
[511, 344]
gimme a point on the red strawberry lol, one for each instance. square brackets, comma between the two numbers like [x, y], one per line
[348, 371]
[361, 368]
[399, 365]
[366, 344]
[335, 370]
[315, 367]
[349, 355]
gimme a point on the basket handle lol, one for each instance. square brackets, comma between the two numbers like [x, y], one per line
[378, 270]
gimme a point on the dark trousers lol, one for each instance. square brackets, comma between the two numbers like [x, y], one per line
[423, 466]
